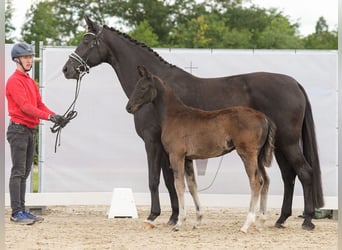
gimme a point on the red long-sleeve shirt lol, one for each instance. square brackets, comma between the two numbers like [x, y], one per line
[25, 104]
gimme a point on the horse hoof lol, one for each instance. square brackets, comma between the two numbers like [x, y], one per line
[308, 226]
[171, 222]
[175, 229]
[279, 225]
[148, 225]
[243, 231]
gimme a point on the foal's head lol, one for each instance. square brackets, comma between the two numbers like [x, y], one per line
[145, 91]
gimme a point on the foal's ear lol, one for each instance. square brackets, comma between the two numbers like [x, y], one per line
[92, 27]
[142, 71]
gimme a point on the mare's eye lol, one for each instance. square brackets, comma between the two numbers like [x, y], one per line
[87, 38]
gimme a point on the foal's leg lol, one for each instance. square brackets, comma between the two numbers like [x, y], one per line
[177, 164]
[192, 185]
[255, 182]
[263, 195]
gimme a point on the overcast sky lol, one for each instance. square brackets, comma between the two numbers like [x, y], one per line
[305, 12]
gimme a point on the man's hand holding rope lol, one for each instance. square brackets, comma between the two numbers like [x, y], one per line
[60, 121]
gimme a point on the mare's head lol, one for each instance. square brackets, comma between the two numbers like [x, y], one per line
[90, 52]
[145, 91]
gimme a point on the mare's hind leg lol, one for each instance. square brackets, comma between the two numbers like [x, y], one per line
[170, 185]
[288, 175]
[192, 185]
[300, 167]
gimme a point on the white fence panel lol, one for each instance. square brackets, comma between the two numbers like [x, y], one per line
[100, 149]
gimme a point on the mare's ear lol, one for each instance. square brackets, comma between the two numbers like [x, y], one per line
[92, 27]
[142, 71]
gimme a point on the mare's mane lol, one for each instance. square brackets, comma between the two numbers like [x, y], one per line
[140, 44]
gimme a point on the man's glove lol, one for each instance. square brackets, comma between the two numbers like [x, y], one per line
[58, 119]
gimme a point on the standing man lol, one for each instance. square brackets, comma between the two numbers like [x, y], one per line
[25, 108]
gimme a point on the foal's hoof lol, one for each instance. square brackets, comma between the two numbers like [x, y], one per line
[148, 225]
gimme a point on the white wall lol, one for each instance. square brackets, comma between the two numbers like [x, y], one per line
[100, 149]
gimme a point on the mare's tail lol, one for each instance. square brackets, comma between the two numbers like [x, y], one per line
[266, 152]
[310, 152]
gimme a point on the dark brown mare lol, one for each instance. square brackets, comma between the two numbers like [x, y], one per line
[189, 133]
[279, 96]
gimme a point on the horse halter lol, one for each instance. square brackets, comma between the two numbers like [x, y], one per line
[83, 68]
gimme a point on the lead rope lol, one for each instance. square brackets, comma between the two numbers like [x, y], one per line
[70, 114]
[213, 180]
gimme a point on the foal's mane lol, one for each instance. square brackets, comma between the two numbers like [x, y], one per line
[140, 44]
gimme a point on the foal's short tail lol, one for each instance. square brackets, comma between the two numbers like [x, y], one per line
[266, 152]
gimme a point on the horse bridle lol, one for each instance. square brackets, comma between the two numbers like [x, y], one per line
[83, 67]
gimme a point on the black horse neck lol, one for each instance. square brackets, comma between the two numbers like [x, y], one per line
[127, 53]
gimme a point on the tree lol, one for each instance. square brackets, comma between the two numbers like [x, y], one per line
[162, 16]
[192, 34]
[145, 34]
[70, 16]
[210, 31]
[321, 25]
[176, 23]
[279, 34]
[322, 38]
[41, 25]
[60, 22]
[9, 28]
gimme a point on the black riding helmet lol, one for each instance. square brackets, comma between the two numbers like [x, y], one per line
[21, 49]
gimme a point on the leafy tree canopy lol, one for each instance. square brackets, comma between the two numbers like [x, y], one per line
[172, 23]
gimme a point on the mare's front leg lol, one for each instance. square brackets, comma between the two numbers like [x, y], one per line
[192, 185]
[148, 128]
[157, 159]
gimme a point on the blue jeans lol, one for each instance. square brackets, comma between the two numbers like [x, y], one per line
[22, 144]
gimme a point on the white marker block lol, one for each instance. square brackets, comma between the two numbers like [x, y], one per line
[122, 204]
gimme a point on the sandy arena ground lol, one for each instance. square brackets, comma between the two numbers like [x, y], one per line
[87, 227]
